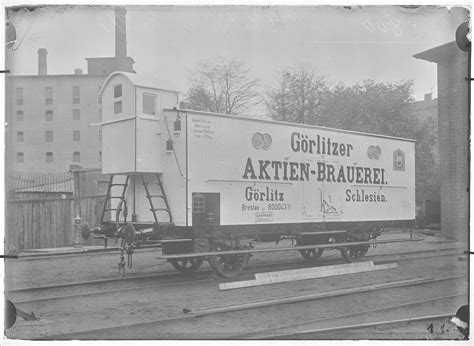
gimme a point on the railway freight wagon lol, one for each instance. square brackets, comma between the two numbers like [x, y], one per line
[211, 186]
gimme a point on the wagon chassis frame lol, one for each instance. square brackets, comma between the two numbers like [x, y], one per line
[135, 234]
[298, 247]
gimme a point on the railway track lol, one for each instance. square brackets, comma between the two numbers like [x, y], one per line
[308, 329]
[430, 327]
[146, 329]
[21, 296]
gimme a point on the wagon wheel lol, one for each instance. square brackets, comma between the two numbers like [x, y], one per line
[228, 265]
[354, 253]
[186, 265]
[311, 254]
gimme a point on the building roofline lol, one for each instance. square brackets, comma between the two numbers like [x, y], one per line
[285, 123]
[437, 53]
[136, 83]
[107, 57]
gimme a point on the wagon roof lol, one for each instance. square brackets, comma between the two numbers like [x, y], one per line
[145, 81]
[271, 121]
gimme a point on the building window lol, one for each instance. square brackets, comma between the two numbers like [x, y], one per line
[118, 103]
[19, 136]
[49, 136]
[169, 145]
[76, 95]
[100, 114]
[19, 157]
[19, 96]
[49, 95]
[118, 91]
[76, 114]
[177, 125]
[99, 98]
[118, 107]
[76, 136]
[49, 156]
[49, 115]
[19, 115]
[100, 156]
[198, 204]
[76, 156]
[149, 104]
[100, 135]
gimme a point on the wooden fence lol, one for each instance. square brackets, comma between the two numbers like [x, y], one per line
[48, 223]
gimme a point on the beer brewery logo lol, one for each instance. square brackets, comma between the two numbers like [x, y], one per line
[373, 152]
[398, 160]
[261, 141]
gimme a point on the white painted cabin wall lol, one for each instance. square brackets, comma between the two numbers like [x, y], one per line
[118, 139]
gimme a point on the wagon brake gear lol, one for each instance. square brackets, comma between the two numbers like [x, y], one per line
[128, 235]
[117, 213]
[130, 250]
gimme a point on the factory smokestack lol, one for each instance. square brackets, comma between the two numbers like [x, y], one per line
[42, 62]
[120, 38]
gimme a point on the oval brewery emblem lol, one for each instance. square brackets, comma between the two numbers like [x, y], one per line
[398, 160]
[373, 152]
[261, 141]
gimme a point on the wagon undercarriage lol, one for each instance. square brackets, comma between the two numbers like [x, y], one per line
[229, 254]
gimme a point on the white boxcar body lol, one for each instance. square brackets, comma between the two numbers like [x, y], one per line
[220, 170]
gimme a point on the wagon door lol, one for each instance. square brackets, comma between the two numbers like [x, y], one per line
[206, 209]
[149, 128]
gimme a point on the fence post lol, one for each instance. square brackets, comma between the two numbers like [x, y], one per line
[77, 232]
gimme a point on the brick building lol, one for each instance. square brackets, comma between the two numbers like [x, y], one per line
[48, 116]
[48, 122]
[428, 204]
[453, 131]
[426, 108]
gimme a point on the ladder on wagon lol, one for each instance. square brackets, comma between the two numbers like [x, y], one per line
[158, 194]
[161, 195]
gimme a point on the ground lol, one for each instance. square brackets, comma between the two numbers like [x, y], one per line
[109, 305]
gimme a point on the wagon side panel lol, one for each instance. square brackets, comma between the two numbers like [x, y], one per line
[263, 172]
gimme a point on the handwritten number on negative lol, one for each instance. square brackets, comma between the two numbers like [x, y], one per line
[384, 26]
[441, 328]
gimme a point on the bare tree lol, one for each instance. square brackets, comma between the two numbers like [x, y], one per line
[222, 86]
[298, 95]
[278, 101]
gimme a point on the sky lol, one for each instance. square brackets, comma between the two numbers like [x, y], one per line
[343, 45]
